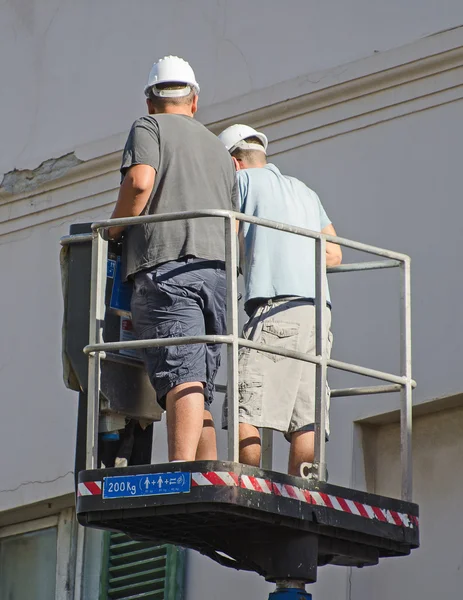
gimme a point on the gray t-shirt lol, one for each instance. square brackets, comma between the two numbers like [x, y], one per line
[193, 171]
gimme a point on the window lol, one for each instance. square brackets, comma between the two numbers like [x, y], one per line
[33, 553]
[31, 565]
[141, 570]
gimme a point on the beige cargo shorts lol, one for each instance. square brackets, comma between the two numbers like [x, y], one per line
[274, 391]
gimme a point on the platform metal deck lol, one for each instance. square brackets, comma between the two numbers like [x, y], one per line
[248, 518]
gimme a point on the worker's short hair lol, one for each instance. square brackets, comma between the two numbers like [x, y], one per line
[250, 156]
[159, 102]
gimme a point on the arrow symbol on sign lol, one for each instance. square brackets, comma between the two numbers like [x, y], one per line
[147, 483]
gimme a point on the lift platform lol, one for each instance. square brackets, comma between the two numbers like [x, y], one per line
[279, 526]
[282, 527]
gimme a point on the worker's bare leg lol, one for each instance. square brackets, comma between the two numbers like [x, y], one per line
[301, 450]
[249, 445]
[207, 446]
[185, 414]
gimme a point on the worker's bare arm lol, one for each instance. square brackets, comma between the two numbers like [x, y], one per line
[134, 194]
[333, 251]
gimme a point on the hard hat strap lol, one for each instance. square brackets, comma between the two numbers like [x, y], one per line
[247, 146]
[179, 93]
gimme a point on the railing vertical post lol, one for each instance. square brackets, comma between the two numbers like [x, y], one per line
[406, 393]
[321, 369]
[232, 329]
[267, 449]
[97, 311]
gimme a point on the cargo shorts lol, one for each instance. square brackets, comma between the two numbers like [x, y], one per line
[274, 391]
[181, 298]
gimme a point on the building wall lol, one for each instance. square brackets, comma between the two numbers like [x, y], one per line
[385, 164]
[438, 485]
[79, 67]
[379, 138]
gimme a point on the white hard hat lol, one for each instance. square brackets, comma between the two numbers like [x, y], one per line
[233, 137]
[171, 69]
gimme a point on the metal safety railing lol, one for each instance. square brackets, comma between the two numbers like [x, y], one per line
[402, 383]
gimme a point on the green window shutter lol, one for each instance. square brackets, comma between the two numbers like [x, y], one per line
[141, 570]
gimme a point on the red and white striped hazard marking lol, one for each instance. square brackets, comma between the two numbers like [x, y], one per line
[89, 488]
[265, 486]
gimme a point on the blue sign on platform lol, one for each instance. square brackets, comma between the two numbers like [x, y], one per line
[153, 484]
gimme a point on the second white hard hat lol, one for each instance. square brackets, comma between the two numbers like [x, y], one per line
[171, 69]
[233, 137]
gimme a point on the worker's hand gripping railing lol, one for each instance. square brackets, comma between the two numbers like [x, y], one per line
[402, 383]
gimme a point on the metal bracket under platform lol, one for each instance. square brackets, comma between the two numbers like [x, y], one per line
[279, 526]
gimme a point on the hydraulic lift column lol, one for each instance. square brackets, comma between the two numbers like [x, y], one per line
[290, 590]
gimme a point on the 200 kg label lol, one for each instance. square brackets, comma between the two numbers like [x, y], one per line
[149, 484]
[116, 487]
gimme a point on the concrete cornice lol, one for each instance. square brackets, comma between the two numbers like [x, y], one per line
[295, 113]
[318, 90]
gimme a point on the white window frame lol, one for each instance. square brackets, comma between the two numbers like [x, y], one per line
[66, 526]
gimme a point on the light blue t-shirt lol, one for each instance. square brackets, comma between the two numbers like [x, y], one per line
[277, 263]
